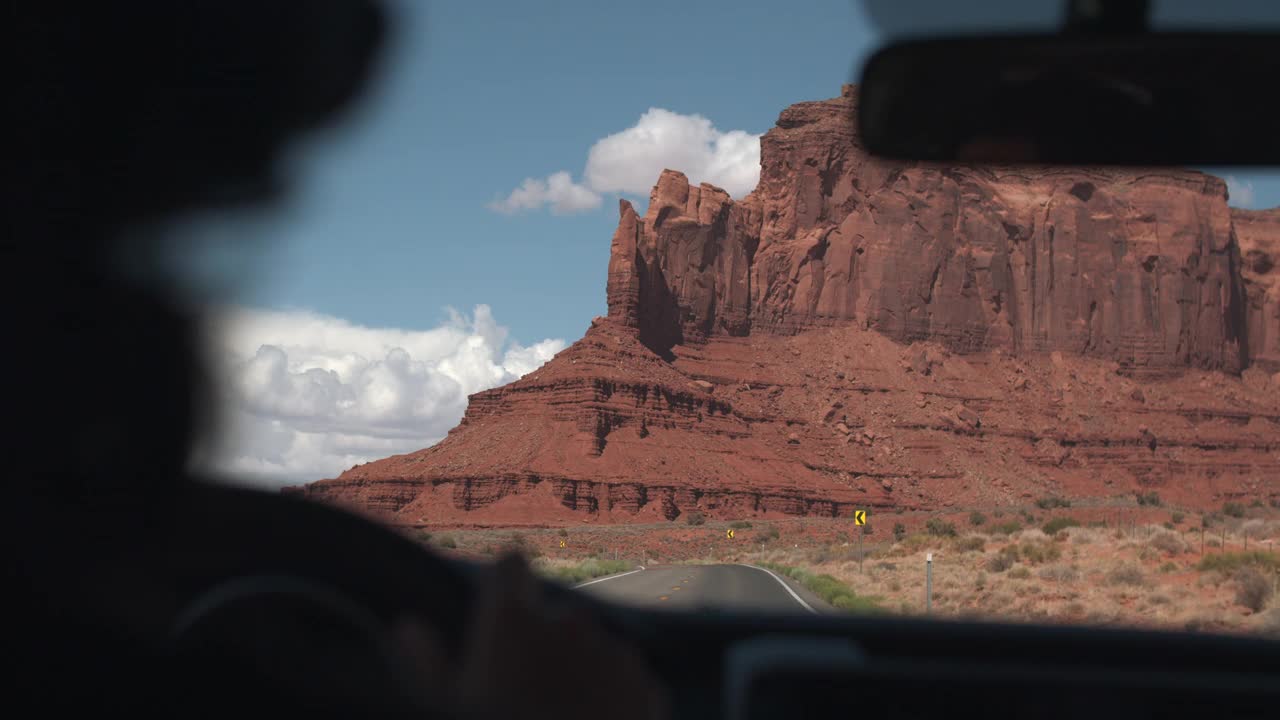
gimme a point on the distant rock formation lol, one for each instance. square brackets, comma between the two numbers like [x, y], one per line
[1135, 266]
[858, 333]
[1258, 233]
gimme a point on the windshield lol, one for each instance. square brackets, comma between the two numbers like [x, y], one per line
[622, 292]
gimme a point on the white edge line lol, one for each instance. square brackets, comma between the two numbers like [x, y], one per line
[609, 577]
[785, 586]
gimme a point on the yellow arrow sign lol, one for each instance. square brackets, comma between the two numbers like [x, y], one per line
[859, 517]
[561, 543]
[729, 533]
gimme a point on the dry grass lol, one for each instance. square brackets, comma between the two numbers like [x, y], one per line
[1168, 543]
[1126, 574]
[1060, 574]
[1152, 577]
[1253, 589]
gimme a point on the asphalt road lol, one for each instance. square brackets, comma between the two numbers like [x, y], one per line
[720, 587]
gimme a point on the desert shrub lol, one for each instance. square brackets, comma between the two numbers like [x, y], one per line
[423, 536]
[1037, 553]
[1151, 498]
[914, 543]
[938, 527]
[976, 518]
[769, 532]
[832, 591]
[1255, 503]
[1027, 517]
[1019, 573]
[821, 555]
[1126, 575]
[695, 518]
[1213, 577]
[1233, 509]
[1168, 568]
[1159, 599]
[1051, 502]
[587, 569]
[1002, 560]
[562, 532]
[969, 543]
[1177, 518]
[1168, 543]
[1059, 573]
[1082, 536]
[1270, 623]
[1058, 524]
[740, 525]
[446, 541]
[1232, 561]
[1253, 589]
[1033, 534]
[855, 603]
[899, 532]
[1008, 527]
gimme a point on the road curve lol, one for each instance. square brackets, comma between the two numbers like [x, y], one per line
[719, 587]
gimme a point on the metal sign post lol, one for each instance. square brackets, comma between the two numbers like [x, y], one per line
[928, 584]
[860, 520]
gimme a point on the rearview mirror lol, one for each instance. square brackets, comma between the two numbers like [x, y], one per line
[1151, 99]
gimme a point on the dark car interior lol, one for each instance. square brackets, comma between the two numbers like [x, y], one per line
[137, 591]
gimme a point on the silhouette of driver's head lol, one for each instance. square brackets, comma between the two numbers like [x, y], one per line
[131, 113]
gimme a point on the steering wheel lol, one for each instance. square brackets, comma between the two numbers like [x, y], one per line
[295, 599]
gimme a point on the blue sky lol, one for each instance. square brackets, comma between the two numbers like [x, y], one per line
[392, 220]
[389, 224]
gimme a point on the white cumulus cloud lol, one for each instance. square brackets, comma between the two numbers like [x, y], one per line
[558, 191]
[630, 161]
[1240, 192]
[306, 396]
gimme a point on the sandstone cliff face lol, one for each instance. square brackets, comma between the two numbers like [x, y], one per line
[1258, 233]
[1138, 267]
[858, 334]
